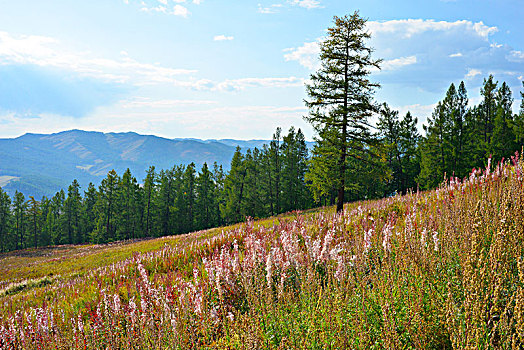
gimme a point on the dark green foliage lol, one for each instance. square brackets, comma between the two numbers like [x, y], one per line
[6, 238]
[205, 215]
[458, 139]
[503, 142]
[72, 212]
[340, 101]
[107, 207]
[130, 214]
[20, 222]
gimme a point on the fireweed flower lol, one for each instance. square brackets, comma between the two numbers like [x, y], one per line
[367, 239]
[435, 240]
[387, 231]
[423, 237]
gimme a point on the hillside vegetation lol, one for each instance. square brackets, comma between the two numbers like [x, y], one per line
[437, 269]
[41, 164]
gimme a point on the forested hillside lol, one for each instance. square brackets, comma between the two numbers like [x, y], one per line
[40, 165]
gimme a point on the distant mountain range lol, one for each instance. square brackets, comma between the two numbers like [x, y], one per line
[39, 164]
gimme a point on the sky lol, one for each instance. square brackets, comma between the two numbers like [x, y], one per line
[215, 69]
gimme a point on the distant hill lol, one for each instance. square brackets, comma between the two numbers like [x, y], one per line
[39, 164]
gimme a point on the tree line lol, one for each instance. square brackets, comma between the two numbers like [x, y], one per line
[458, 137]
[260, 183]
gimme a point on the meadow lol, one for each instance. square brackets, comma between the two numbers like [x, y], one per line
[439, 269]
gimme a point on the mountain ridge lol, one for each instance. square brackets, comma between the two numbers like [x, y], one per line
[42, 164]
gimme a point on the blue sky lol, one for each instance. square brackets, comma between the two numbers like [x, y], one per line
[232, 69]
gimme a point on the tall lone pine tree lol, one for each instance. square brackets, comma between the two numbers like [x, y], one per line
[340, 103]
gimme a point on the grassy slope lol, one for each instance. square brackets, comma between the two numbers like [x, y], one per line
[441, 269]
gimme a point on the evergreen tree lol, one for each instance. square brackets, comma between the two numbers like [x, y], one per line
[256, 196]
[20, 214]
[129, 214]
[488, 109]
[6, 239]
[459, 134]
[72, 212]
[46, 230]
[267, 187]
[341, 99]
[389, 130]
[519, 123]
[322, 175]
[107, 207]
[294, 167]
[503, 141]
[204, 202]
[234, 188]
[33, 213]
[219, 179]
[276, 168]
[439, 147]
[54, 218]
[149, 199]
[251, 204]
[409, 144]
[89, 211]
[165, 200]
[304, 195]
[189, 195]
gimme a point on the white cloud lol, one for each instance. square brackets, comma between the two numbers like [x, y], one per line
[234, 85]
[178, 10]
[516, 56]
[306, 55]
[145, 102]
[417, 110]
[163, 2]
[242, 84]
[269, 9]
[409, 27]
[223, 38]
[227, 121]
[472, 73]
[458, 54]
[47, 52]
[397, 63]
[197, 2]
[309, 4]
[159, 8]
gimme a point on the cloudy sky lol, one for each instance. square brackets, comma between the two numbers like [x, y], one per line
[232, 68]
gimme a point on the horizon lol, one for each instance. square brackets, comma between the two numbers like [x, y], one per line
[140, 134]
[208, 70]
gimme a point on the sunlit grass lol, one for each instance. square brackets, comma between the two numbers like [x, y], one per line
[439, 269]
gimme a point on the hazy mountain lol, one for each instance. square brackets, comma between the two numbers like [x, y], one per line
[38, 164]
